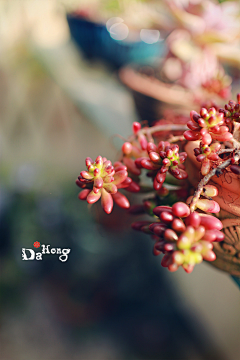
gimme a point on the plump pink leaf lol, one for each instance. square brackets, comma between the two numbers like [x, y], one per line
[121, 200]
[223, 137]
[192, 135]
[147, 164]
[192, 125]
[139, 224]
[136, 127]
[86, 175]
[133, 187]
[208, 205]
[111, 188]
[98, 182]
[106, 201]
[92, 197]
[125, 183]
[210, 190]
[206, 166]
[188, 268]
[83, 194]
[143, 141]
[210, 222]
[119, 177]
[131, 166]
[159, 209]
[209, 255]
[180, 209]
[193, 219]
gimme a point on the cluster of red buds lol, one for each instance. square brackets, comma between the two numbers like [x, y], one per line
[231, 111]
[134, 149]
[206, 155]
[102, 180]
[162, 159]
[182, 234]
[207, 126]
[185, 239]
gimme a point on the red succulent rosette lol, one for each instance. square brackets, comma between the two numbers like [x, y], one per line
[102, 180]
[162, 159]
[207, 126]
[185, 239]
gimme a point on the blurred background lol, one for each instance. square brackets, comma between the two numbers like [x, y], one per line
[72, 75]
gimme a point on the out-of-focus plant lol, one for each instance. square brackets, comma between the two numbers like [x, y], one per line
[197, 29]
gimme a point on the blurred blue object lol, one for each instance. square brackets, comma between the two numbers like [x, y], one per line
[237, 280]
[96, 43]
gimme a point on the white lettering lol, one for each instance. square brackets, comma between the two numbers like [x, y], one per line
[45, 247]
[64, 255]
[24, 255]
[38, 256]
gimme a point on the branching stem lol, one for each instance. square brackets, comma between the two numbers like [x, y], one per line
[153, 129]
[206, 179]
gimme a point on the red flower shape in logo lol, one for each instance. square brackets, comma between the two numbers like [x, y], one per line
[36, 244]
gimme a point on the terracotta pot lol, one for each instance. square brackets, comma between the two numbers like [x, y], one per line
[228, 184]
